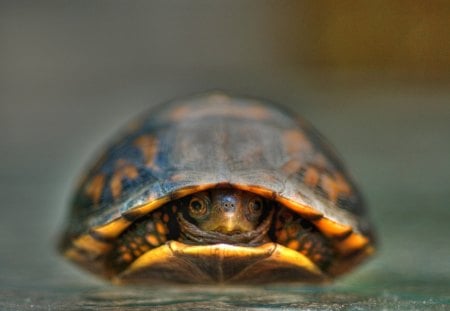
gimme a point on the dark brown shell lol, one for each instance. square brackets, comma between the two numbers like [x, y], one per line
[211, 140]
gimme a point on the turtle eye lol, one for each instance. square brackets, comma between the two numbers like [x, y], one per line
[255, 205]
[198, 207]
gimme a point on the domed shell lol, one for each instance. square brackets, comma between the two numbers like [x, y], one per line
[216, 140]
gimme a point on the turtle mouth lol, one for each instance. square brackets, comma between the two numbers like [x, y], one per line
[192, 234]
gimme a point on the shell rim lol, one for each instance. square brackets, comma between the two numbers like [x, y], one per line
[349, 242]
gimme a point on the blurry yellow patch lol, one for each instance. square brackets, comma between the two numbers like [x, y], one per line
[293, 244]
[335, 186]
[152, 239]
[161, 228]
[295, 143]
[148, 145]
[93, 246]
[312, 177]
[353, 243]
[127, 257]
[112, 229]
[332, 229]
[95, 187]
[123, 170]
[291, 167]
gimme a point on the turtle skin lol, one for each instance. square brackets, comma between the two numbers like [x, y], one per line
[207, 141]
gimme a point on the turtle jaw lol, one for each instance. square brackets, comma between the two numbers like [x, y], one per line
[191, 234]
[176, 262]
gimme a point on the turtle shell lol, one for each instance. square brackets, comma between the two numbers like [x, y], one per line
[217, 140]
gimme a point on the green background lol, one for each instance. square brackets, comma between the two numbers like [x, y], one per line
[71, 73]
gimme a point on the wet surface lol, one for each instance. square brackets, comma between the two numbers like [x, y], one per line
[405, 295]
[400, 159]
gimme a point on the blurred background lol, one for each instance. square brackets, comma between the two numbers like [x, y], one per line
[373, 76]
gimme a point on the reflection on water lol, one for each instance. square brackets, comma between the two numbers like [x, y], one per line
[202, 297]
[354, 295]
[277, 297]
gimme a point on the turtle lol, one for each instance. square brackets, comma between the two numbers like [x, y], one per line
[218, 188]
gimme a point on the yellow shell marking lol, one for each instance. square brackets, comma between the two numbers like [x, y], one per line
[295, 142]
[95, 187]
[312, 177]
[123, 170]
[152, 239]
[335, 186]
[149, 148]
[291, 167]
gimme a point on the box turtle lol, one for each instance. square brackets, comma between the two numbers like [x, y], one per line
[217, 188]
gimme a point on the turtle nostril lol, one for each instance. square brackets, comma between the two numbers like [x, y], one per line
[228, 206]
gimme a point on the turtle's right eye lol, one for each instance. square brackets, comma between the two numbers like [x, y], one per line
[198, 207]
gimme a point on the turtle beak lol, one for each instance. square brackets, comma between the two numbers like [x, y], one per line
[230, 225]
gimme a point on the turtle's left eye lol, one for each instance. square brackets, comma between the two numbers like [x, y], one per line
[198, 207]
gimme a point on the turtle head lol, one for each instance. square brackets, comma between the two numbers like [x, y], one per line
[228, 211]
